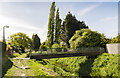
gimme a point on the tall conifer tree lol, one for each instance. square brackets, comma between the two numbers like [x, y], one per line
[50, 34]
[71, 25]
[36, 42]
[57, 27]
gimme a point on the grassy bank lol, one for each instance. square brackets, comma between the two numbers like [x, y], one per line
[102, 65]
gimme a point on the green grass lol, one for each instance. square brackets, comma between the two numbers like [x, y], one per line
[66, 66]
[36, 68]
[102, 65]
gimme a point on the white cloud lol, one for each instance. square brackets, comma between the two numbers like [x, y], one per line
[18, 26]
[86, 10]
[109, 18]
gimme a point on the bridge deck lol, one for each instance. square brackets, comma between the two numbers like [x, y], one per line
[59, 53]
[47, 56]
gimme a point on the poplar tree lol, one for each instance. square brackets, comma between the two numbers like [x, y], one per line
[50, 33]
[57, 27]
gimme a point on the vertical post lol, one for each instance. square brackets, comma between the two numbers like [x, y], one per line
[0, 59]
[4, 34]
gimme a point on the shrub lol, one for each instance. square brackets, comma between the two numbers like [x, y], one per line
[106, 65]
[116, 40]
[104, 41]
[56, 47]
[14, 55]
[43, 46]
[85, 38]
[63, 45]
[21, 49]
[17, 49]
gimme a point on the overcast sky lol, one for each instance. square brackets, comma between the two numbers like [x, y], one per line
[32, 17]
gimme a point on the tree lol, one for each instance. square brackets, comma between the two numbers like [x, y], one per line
[71, 25]
[57, 27]
[36, 42]
[32, 46]
[43, 46]
[50, 33]
[62, 34]
[21, 39]
[85, 38]
[104, 41]
[116, 39]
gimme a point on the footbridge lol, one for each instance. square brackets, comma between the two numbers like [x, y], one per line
[65, 52]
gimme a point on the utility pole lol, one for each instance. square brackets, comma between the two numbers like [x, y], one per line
[4, 32]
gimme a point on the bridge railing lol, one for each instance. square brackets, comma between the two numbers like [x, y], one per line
[67, 50]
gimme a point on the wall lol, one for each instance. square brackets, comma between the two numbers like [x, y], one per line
[113, 48]
[5, 63]
[0, 59]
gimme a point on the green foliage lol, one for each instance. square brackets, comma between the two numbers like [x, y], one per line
[14, 55]
[63, 35]
[57, 27]
[56, 48]
[59, 70]
[104, 41]
[66, 66]
[43, 45]
[71, 25]
[50, 33]
[18, 49]
[8, 47]
[85, 38]
[116, 40]
[21, 39]
[36, 42]
[106, 65]
[55, 45]
[36, 69]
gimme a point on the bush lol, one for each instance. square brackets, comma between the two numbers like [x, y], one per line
[21, 49]
[14, 55]
[106, 65]
[43, 46]
[104, 41]
[85, 38]
[18, 49]
[116, 40]
[63, 45]
[56, 47]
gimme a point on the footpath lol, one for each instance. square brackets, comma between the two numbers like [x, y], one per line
[28, 67]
